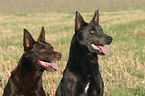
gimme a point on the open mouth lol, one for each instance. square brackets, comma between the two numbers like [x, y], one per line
[101, 49]
[49, 66]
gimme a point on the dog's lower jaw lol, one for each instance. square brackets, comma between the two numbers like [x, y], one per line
[49, 66]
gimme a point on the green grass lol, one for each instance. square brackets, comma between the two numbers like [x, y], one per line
[123, 71]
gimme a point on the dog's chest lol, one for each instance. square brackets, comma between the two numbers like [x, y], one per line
[87, 87]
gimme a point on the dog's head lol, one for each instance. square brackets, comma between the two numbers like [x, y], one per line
[40, 52]
[91, 34]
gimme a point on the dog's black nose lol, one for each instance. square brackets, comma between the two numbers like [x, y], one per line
[109, 39]
[59, 54]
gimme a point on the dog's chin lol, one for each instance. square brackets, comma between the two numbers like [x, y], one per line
[99, 53]
[48, 65]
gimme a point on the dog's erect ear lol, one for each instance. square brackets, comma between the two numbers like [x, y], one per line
[96, 17]
[28, 41]
[79, 21]
[42, 35]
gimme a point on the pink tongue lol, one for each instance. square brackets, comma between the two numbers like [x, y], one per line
[101, 49]
[104, 50]
[52, 66]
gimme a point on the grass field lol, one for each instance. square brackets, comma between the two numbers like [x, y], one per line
[19, 6]
[123, 71]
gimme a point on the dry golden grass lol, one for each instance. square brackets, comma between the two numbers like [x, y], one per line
[123, 71]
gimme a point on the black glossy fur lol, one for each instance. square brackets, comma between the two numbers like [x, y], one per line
[26, 78]
[81, 76]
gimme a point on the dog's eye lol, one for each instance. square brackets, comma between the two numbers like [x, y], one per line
[42, 50]
[92, 32]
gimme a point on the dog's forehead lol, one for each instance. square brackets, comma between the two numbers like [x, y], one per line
[93, 26]
[43, 44]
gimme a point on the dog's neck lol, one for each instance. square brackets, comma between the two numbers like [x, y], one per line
[27, 75]
[81, 59]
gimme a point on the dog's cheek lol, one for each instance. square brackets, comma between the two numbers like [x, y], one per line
[87, 38]
[80, 38]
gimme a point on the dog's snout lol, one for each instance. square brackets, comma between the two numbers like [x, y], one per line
[109, 39]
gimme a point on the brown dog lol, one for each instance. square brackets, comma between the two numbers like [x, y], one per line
[26, 78]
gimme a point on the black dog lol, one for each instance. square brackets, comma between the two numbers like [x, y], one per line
[26, 78]
[81, 76]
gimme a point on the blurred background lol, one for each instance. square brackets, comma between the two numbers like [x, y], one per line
[21, 6]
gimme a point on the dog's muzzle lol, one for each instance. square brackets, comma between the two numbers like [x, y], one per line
[109, 40]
